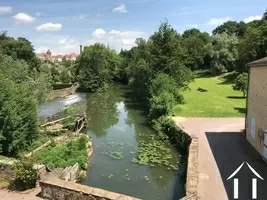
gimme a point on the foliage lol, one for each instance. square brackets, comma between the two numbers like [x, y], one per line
[253, 45]
[19, 49]
[65, 76]
[167, 127]
[65, 155]
[25, 176]
[224, 52]
[164, 95]
[18, 117]
[195, 43]
[241, 83]
[97, 67]
[231, 28]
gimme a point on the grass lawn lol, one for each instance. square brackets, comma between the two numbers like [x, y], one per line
[220, 100]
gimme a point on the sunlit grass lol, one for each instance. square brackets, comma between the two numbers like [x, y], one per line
[219, 101]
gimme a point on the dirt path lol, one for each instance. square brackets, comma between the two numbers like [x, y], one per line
[29, 195]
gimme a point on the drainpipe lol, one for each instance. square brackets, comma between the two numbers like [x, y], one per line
[246, 120]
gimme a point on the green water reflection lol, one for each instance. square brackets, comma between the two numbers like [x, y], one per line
[119, 130]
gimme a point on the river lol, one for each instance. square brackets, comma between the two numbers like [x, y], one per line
[120, 133]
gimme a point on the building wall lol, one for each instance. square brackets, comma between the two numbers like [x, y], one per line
[257, 106]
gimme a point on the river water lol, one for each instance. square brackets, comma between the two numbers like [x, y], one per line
[119, 132]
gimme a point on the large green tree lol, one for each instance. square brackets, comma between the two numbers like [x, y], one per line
[224, 53]
[18, 116]
[195, 43]
[231, 28]
[97, 67]
[254, 44]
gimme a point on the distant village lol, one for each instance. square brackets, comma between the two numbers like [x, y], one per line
[48, 56]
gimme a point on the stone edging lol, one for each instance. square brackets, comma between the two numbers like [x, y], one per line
[192, 167]
[59, 189]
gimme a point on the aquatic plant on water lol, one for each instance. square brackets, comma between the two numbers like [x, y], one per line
[155, 152]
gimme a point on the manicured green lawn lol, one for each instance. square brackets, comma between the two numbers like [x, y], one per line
[220, 100]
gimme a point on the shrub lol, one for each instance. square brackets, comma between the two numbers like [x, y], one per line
[161, 105]
[25, 176]
[65, 155]
[166, 126]
[241, 83]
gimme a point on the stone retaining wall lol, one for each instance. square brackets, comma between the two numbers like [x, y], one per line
[62, 190]
[192, 167]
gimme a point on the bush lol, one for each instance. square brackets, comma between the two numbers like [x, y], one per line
[65, 155]
[241, 83]
[161, 105]
[25, 176]
[167, 127]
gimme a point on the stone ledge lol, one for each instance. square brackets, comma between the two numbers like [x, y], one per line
[192, 167]
[62, 190]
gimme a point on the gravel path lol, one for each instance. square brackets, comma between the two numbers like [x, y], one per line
[29, 195]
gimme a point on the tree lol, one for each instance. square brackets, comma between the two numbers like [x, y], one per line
[224, 53]
[254, 44]
[231, 28]
[241, 83]
[20, 49]
[168, 55]
[195, 43]
[65, 76]
[18, 116]
[97, 67]
[264, 17]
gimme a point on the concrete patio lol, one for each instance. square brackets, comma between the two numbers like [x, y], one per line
[222, 149]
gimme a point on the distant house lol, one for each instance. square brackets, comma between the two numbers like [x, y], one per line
[58, 58]
[256, 115]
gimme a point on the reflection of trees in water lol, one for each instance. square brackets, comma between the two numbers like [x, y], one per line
[102, 110]
[137, 117]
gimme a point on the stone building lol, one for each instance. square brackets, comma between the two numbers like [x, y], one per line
[256, 115]
[48, 56]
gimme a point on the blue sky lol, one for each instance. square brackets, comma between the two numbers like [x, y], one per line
[62, 25]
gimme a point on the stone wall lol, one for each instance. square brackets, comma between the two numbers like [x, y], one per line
[192, 167]
[61, 93]
[56, 189]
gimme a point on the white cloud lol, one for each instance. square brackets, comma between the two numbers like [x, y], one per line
[193, 25]
[49, 27]
[98, 33]
[58, 45]
[5, 10]
[121, 8]
[252, 18]
[23, 18]
[218, 21]
[66, 44]
[116, 39]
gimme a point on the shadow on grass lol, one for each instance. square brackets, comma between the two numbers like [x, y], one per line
[241, 110]
[204, 74]
[228, 79]
[236, 97]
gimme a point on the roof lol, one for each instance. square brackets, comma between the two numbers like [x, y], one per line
[259, 62]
